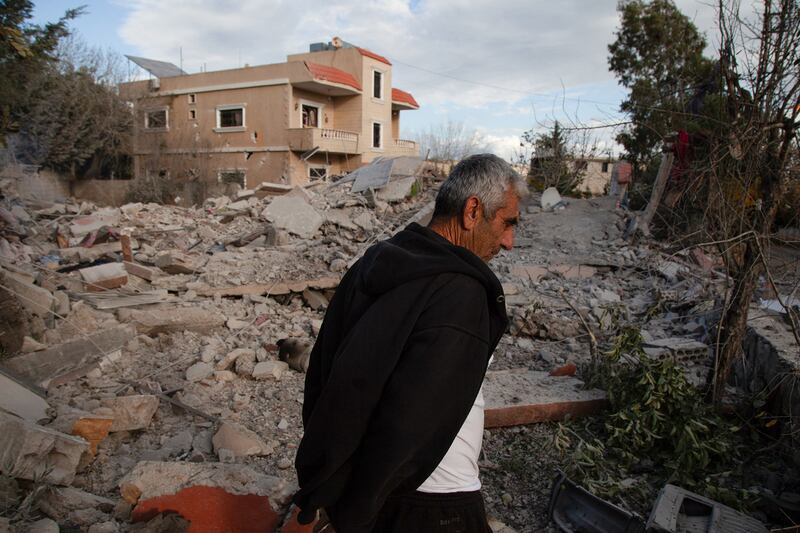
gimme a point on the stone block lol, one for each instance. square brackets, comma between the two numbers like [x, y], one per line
[199, 371]
[212, 496]
[397, 190]
[516, 397]
[129, 412]
[178, 263]
[32, 452]
[239, 440]
[270, 370]
[294, 215]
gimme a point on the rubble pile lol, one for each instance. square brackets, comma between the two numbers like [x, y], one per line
[153, 356]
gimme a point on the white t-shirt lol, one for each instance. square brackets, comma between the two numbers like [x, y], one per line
[458, 469]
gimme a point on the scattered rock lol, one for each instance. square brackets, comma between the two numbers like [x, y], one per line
[129, 412]
[239, 440]
[199, 371]
[270, 370]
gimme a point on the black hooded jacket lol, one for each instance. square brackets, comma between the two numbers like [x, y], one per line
[396, 367]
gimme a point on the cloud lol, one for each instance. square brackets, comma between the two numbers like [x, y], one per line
[527, 46]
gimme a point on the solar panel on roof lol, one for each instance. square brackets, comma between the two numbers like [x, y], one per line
[159, 69]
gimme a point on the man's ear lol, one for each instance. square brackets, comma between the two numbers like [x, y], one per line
[472, 213]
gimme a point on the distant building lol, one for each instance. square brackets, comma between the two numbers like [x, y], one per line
[320, 113]
[592, 173]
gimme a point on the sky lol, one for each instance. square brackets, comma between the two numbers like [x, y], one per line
[499, 67]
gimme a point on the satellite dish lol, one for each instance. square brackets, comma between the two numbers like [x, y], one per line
[337, 42]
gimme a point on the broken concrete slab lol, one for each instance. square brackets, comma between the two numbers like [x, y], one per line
[239, 440]
[36, 453]
[398, 190]
[45, 525]
[226, 498]
[102, 277]
[91, 427]
[75, 357]
[141, 271]
[129, 412]
[79, 254]
[271, 289]
[172, 319]
[178, 263]
[60, 502]
[36, 300]
[86, 224]
[521, 396]
[294, 215]
[341, 217]
[22, 399]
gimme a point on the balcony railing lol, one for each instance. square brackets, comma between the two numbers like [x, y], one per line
[328, 140]
[405, 147]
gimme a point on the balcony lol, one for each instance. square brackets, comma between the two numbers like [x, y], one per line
[404, 147]
[328, 140]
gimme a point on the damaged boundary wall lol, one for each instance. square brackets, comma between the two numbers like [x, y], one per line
[771, 367]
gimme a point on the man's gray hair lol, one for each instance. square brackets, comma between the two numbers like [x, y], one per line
[485, 176]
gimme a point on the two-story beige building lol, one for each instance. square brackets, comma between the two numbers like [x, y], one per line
[320, 113]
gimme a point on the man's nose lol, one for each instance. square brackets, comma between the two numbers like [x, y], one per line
[507, 241]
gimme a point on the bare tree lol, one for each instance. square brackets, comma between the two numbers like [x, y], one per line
[450, 141]
[750, 135]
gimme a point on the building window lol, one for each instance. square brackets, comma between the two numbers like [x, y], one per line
[155, 119]
[377, 84]
[232, 175]
[231, 117]
[317, 173]
[192, 114]
[377, 135]
[310, 116]
[605, 166]
[192, 98]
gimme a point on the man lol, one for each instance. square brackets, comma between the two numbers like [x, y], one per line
[393, 413]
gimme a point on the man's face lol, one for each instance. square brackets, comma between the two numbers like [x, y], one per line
[491, 235]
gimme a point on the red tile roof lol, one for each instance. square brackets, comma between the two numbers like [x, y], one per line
[332, 74]
[373, 55]
[403, 97]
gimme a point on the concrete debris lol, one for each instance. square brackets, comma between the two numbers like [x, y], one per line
[239, 440]
[36, 453]
[62, 503]
[77, 356]
[44, 525]
[293, 214]
[129, 412]
[172, 319]
[270, 370]
[106, 276]
[223, 302]
[516, 397]
[199, 371]
[21, 398]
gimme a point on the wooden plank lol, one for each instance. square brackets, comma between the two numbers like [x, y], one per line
[141, 271]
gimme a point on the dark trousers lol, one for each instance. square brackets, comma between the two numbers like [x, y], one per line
[421, 512]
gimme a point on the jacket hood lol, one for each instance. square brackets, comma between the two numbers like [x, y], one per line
[418, 252]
